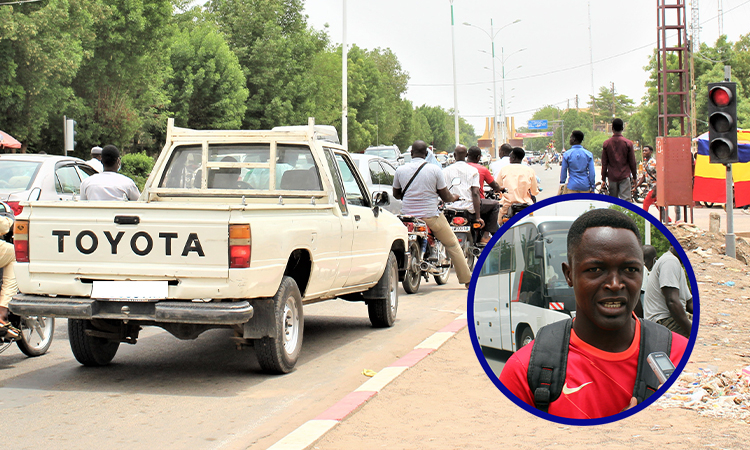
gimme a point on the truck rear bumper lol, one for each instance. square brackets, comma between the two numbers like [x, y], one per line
[223, 313]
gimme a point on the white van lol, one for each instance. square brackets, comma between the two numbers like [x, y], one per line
[521, 286]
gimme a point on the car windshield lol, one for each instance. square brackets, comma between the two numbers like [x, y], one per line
[17, 175]
[382, 152]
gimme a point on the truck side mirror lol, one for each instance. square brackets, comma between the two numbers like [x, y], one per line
[539, 249]
[381, 198]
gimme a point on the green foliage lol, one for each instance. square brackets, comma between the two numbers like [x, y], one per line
[138, 167]
[207, 86]
[658, 240]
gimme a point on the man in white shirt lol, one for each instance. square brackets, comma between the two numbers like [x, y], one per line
[468, 190]
[96, 159]
[668, 300]
[420, 185]
[501, 162]
[109, 185]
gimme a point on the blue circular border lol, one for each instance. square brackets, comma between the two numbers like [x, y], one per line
[693, 332]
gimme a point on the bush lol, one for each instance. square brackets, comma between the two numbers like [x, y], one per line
[138, 167]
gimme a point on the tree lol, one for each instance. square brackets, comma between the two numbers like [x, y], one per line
[207, 87]
[658, 240]
[276, 50]
[608, 104]
[41, 50]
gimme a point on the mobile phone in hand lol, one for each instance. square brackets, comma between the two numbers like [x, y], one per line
[661, 365]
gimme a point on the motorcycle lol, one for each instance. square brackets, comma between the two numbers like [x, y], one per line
[36, 334]
[428, 256]
[468, 233]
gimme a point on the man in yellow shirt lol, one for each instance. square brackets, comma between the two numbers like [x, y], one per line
[519, 181]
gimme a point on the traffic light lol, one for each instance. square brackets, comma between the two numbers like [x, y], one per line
[722, 122]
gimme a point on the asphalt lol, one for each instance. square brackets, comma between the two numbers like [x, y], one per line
[314, 430]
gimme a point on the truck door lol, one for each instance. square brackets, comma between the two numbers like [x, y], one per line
[347, 228]
[492, 296]
[368, 252]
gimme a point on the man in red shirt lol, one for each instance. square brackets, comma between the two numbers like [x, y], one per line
[489, 209]
[605, 269]
[618, 163]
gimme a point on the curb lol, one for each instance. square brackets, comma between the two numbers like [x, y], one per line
[313, 430]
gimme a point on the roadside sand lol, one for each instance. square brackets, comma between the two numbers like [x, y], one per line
[447, 401]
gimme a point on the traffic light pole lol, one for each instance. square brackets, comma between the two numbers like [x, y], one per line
[730, 239]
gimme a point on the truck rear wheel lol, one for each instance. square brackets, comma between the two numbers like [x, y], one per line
[279, 353]
[89, 350]
[382, 311]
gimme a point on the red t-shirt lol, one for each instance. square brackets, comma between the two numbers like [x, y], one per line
[485, 176]
[597, 383]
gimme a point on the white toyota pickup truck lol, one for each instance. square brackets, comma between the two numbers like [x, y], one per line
[234, 229]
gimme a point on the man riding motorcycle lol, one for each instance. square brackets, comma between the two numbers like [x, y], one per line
[519, 181]
[421, 186]
[7, 260]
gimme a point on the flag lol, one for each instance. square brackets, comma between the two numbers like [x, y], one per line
[710, 184]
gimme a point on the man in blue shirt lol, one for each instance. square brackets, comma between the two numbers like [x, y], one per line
[579, 162]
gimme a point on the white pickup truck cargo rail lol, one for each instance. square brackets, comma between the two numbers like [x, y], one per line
[234, 229]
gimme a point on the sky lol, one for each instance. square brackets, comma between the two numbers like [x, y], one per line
[550, 44]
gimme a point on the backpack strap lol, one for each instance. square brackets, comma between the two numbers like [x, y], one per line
[654, 338]
[412, 178]
[549, 362]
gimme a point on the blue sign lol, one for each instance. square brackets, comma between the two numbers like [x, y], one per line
[538, 125]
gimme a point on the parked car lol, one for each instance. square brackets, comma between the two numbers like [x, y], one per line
[407, 156]
[378, 175]
[40, 177]
[388, 152]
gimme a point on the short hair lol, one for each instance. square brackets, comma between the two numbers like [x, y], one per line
[648, 147]
[518, 153]
[475, 152]
[577, 135]
[110, 155]
[420, 147]
[602, 217]
[96, 150]
[505, 149]
[649, 251]
[617, 125]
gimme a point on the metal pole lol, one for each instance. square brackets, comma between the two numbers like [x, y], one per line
[495, 147]
[503, 117]
[455, 88]
[730, 239]
[344, 87]
[65, 134]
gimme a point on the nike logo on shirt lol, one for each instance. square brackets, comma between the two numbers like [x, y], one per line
[567, 391]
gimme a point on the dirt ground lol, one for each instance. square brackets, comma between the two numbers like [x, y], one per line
[448, 402]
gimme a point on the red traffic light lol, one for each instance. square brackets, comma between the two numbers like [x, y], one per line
[720, 96]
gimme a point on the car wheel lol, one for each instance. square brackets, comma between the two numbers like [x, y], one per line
[279, 353]
[382, 311]
[90, 350]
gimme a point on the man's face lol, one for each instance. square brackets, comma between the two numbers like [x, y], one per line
[646, 153]
[605, 271]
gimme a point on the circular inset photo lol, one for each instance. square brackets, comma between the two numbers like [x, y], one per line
[583, 309]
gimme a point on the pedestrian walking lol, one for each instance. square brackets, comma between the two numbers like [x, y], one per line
[618, 163]
[579, 163]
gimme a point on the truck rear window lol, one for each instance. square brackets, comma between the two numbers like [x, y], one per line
[243, 166]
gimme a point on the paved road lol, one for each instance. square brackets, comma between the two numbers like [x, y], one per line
[165, 393]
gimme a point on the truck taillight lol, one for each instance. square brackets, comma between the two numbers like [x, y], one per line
[21, 240]
[16, 207]
[239, 246]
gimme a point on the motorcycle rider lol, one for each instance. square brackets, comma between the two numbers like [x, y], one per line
[420, 186]
[7, 260]
[489, 209]
[519, 181]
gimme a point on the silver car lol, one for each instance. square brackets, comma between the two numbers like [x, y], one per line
[378, 174]
[25, 177]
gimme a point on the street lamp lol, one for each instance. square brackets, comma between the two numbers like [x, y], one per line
[455, 89]
[502, 65]
[492, 34]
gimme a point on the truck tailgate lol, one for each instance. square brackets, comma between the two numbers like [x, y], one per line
[129, 239]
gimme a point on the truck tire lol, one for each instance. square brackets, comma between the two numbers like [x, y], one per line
[413, 276]
[88, 350]
[526, 337]
[36, 335]
[382, 311]
[279, 353]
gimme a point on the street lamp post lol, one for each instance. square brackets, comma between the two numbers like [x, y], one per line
[492, 34]
[455, 90]
[502, 67]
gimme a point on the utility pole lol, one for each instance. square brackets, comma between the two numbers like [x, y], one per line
[591, 68]
[344, 87]
[455, 89]
[614, 112]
